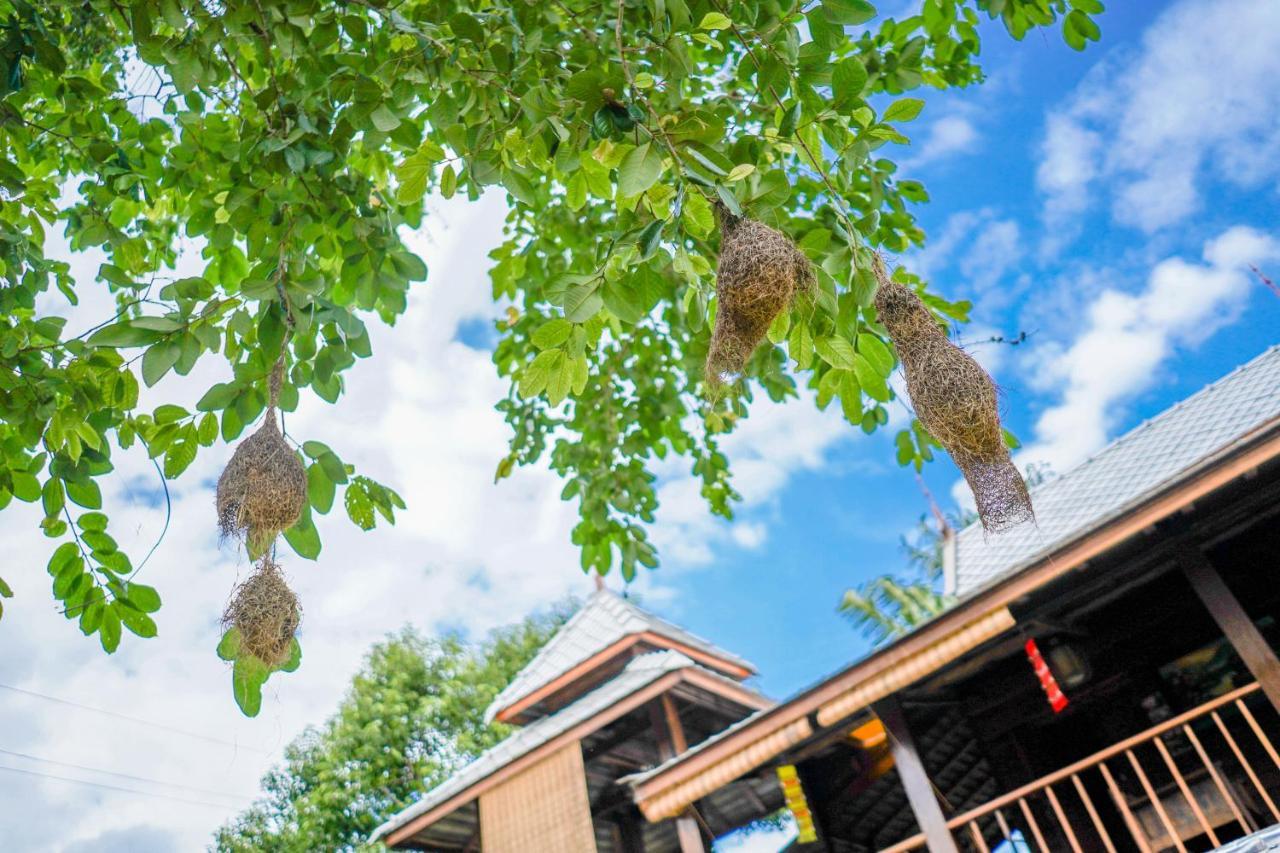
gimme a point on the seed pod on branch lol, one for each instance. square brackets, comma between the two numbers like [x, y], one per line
[263, 489]
[265, 612]
[759, 272]
[956, 401]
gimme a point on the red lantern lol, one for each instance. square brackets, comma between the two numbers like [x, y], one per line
[1057, 699]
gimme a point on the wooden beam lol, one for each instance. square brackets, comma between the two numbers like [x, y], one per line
[1239, 629]
[915, 780]
[669, 734]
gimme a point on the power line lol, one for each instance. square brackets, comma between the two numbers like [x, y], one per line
[124, 775]
[139, 720]
[222, 806]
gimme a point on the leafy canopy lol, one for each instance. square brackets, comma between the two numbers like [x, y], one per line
[413, 715]
[292, 142]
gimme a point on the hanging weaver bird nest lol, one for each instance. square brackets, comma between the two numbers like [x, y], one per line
[263, 489]
[759, 272]
[957, 403]
[265, 612]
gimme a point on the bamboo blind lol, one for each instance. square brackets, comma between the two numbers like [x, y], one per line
[543, 808]
[917, 666]
[671, 802]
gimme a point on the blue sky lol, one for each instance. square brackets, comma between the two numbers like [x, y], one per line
[1107, 203]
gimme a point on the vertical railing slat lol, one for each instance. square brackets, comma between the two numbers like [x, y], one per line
[1035, 827]
[1257, 730]
[978, 840]
[1186, 792]
[1227, 796]
[1135, 828]
[1062, 819]
[1155, 802]
[1093, 813]
[1253, 777]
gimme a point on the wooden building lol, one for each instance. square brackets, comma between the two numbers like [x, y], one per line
[1108, 680]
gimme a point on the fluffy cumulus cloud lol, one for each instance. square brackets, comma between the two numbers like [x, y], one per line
[976, 254]
[466, 554]
[1150, 128]
[1127, 336]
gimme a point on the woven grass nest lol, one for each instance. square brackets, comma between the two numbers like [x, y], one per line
[263, 489]
[758, 274]
[956, 401]
[266, 613]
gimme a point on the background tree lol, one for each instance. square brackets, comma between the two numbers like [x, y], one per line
[289, 143]
[414, 714]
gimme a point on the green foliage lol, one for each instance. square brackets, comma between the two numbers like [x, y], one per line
[293, 143]
[413, 715]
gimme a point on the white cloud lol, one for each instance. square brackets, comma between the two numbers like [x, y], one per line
[1146, 130]
[765, 450]
[945, 137]
[976, 255]
[1126, 337]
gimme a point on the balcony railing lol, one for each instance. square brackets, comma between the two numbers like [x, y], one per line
[1190, 783]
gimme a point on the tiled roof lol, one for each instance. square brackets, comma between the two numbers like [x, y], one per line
[1132, 469]
[641, 671]
[604, 620]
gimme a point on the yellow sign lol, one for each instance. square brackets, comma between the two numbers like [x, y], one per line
[793, 793]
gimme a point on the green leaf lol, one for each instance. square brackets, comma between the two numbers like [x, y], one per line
[870, 379]
[836, 352]
[91, 521]
[715, 21]
[320, 489]
[143, 597]
[248, 674]
[53, 498]
[848, 11]
[109, 628]
[123, 335]
[218, 397]
[903, 109]
[876, 352]
[229, 645]
[583, 301]
[294, 660]
[800, 346]
[138, 622]
[303, 537]
[551, 333]
[383, 119]
[85, 494]
[740, 171]
[639, 170]
[848, 79]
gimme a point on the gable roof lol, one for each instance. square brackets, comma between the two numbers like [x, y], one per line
[1129, 471]
[603, 621]
[639, 673]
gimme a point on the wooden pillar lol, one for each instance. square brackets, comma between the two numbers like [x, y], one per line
[1239, 629]
[915, 780]
[671, 742]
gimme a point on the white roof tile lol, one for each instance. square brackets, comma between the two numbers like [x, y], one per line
[640, 672]
[603, 620]
[1136, 466]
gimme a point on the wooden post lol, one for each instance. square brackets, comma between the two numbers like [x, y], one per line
[1239, 629]
[915, 780]
[669, 734]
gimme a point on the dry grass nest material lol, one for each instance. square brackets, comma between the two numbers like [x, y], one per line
[266, 613]
[957, 403]
[262, 490]
[759, 272]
